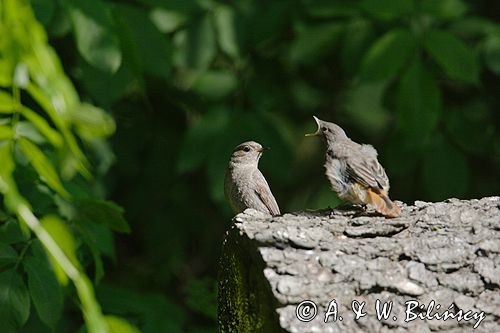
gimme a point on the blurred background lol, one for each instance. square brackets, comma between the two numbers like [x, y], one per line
[186, 81]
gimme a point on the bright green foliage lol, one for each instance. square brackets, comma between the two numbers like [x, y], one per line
[42, 126]
[58, 230]
[118, 325]
[42, 165]
[186, 81]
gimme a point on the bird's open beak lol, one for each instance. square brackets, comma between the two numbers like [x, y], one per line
[318, 132]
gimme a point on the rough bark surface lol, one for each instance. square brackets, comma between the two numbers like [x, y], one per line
[448, 252]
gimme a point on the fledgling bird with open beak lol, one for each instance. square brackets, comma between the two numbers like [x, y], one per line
[354, 171]
[244, 185]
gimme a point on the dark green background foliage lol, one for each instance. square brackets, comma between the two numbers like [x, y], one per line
[186, 81]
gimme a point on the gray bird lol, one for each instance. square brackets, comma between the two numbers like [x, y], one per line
[244, 185]
[354, 171]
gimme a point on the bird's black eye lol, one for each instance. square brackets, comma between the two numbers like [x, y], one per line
[246, 149]
[324, 129]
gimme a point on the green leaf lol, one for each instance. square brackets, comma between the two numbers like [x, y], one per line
[27, 130]
[44, 100]
[7, 166]
[5, 73]
[3, 216]
[457, 60]
[42, 165]
[444, 171]
[119, 325]
[444, 9]
[472, 27]
[92, 122]
[167, 20]
[7, 103]
[7, 254]
[64, 239]
[198, 49]
[151, 49]
[314, 43]
[103, 154]
[11, 233]
[45, 291]
[227, 38]
[388, 9]
[43, 126]
[8, 187]
[98, 264]
[93, 235]
[74, 159]
[492, 53]
[104, 212]
[103, 87]
[14, 301]
[95, 38]
[418, 103]
[98, 236]
[216, 84]
[6, 132]
[387, 55]
[21, 75]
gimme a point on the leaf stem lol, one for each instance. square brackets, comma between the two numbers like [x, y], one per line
[91, 309]
[23, 252]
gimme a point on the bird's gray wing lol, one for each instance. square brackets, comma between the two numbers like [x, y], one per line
[367, 171]
[264, 193]
[228, 191]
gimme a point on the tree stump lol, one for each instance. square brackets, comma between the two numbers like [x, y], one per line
[445, 253]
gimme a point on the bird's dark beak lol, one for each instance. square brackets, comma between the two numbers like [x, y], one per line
[263, 149]
[318, 131]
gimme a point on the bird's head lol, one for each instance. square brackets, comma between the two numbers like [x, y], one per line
[330, 131]
[247, 153]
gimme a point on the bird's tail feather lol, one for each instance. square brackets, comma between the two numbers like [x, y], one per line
[382, 203]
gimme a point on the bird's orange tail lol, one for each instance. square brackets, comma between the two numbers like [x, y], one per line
[382, 203]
